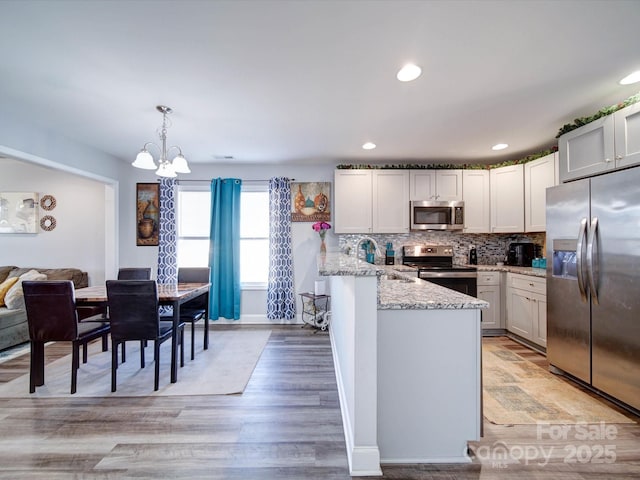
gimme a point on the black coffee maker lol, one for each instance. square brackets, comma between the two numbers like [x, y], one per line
[521, 254]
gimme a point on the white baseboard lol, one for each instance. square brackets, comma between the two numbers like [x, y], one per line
[257, 319]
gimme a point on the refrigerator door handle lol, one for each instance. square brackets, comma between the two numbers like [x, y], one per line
[592, 260]
[580, 250]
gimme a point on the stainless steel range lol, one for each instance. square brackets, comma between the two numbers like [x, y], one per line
[435, 264]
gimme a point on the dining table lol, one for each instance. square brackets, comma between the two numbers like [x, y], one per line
[169, 294]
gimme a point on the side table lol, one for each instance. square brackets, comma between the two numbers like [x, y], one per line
[315, 310]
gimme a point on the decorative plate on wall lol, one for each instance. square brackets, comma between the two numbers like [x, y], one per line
[47, 223]
[48, 202]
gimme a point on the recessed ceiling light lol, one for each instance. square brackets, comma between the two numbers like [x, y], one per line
[631, 78]
[409, 72]
[499, 146]
[369, 146]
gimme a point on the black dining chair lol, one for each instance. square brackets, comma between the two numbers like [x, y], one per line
[197, 309]
[133, 313]
[52, 316]
[134, 273]
[99, 314]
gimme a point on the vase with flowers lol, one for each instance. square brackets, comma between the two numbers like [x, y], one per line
[321, 228]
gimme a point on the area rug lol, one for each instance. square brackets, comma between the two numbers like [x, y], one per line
[224, 369]
[517, 391]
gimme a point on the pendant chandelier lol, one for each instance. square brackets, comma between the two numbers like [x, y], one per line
[165, 167]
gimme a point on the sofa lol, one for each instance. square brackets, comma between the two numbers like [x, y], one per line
[13, 316]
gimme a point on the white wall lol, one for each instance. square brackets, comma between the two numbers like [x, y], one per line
[79, 237]
[306, 242]
[89, 241]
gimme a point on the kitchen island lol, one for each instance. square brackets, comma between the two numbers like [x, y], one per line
[407, 355]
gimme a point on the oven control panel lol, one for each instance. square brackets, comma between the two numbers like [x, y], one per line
[428, 251]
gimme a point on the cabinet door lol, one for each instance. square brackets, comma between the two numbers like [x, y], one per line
[507, 199]
[449, 185]
[627, 131]
[539, 333]
[491, 315]
[519, 313]
[422, 184]
[352, 206]
[477, 201]
[587, 150]
[538, 176]
[390, 201]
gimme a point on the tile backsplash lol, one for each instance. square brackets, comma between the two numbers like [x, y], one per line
[491, 247]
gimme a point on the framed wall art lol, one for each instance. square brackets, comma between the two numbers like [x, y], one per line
[310, 202]
[147, 214]
[18, 212]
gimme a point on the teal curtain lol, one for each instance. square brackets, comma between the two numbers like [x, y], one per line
[224, 248]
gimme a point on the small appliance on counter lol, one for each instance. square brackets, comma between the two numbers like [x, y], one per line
[390, 255]
[521, 254]
[473, 256]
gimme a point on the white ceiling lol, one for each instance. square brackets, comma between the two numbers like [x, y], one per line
[310, 81]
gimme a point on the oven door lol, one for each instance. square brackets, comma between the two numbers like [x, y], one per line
[464, 282]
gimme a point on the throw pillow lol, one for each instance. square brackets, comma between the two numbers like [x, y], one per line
[4, 288]
[14, 299]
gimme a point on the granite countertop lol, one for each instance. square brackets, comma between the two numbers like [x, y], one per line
[399, 288]
[339, 264]
[534, 272]
[405, 291]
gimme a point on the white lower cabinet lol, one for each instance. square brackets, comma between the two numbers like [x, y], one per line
[489, 290]
[527, 307]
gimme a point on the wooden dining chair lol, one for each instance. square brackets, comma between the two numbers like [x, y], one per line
[197, 309]
[133, 313]
[52, 316]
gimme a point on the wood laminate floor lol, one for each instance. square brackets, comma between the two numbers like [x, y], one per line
[286, 425]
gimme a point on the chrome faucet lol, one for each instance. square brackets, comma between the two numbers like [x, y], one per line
[369, 239]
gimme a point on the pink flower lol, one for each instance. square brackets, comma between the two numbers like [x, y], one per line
[320, 227]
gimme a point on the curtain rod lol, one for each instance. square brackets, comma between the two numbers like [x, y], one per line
[209, 180]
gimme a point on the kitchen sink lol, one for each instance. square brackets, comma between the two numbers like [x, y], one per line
[392, 277]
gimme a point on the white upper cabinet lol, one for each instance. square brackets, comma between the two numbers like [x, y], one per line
[627, 135]
[390, 201]
[477, 201]
[353, 200]
[605, 144]
[507, 199]
[371, 201]
[441, 185]
[539, 175]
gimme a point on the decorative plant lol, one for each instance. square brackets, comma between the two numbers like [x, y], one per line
[603, 112]
[577, 123]
[321, 228]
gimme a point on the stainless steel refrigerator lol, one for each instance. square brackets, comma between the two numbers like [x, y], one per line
[593, 282]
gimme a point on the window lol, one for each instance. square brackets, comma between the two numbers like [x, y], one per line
[193, 224]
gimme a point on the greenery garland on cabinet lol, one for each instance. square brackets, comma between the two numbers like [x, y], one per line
[603, 112]
[447, 166]
[577, 123]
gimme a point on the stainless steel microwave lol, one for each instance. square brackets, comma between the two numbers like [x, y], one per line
[435, 215]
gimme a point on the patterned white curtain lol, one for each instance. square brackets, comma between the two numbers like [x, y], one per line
[280, 294]
[167, 248]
